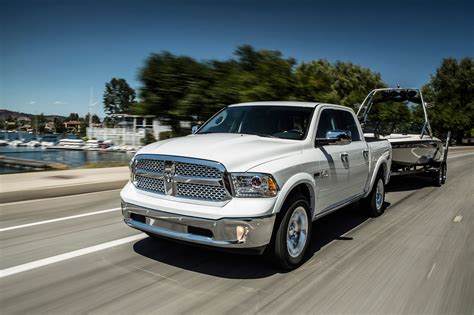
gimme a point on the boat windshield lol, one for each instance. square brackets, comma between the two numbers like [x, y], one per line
[389, 127]
[400, 113]
[284, 122]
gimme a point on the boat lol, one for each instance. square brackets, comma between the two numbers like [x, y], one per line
[68, 144]
[49, 140]
[412, 140]
[93, 144]
[15, 143]
[33, 143]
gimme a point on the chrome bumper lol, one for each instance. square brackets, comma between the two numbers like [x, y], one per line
[256, 232]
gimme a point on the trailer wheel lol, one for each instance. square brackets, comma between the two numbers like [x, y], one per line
[374, 203]
[444, 168]
[440, 175]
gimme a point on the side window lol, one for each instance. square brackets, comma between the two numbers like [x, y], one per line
[346, 122]
[327, 122]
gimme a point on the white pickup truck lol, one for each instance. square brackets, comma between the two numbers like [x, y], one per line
[255, 176]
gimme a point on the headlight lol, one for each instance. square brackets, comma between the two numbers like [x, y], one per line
[254, 185]
[132, 165]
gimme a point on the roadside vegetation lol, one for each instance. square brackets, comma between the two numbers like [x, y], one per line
[180, 88]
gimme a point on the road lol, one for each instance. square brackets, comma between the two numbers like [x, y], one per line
[75, 255]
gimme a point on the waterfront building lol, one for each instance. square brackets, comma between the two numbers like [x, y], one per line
[72, 126]
[130, 129]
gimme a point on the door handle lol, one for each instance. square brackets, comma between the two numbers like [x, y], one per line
[365, 153]
[345, 157]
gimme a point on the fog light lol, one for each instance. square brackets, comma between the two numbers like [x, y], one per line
[241, 232]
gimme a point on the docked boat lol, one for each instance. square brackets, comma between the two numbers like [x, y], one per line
[69, 144]
[33, 144]
[413, 145]
[93, 144]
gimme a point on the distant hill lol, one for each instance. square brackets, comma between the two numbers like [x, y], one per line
[5, 113]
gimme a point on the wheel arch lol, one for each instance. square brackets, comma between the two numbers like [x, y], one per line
[382, 165]
[300, 183]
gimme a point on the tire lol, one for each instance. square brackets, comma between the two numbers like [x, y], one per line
[444, 168]
[292, 234]
[440, 175]
[374, 203]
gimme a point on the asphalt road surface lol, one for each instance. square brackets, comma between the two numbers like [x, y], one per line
[75, 255]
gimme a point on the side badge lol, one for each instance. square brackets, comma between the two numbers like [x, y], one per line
[322, 174]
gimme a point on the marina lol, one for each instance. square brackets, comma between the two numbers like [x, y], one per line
[24, 159]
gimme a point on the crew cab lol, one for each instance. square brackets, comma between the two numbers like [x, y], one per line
[255, 176]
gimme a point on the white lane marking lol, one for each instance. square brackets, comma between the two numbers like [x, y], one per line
[80, 252]
[457, 219]
[459, 155]
[49, 198]
[431, 271]
[57, 219]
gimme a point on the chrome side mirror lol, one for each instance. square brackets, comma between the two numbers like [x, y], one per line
[337, 137]
[195, 128]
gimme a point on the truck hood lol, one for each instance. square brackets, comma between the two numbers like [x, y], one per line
[237, 152]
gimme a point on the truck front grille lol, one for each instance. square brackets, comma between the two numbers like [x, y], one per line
[199, 191]
[150, 184]
[180, 177]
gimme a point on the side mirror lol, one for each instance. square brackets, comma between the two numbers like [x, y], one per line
[195, 128]
[337, 137]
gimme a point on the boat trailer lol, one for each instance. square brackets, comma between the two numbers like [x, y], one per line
[437, 169]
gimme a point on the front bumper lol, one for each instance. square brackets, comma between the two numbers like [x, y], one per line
[244, 233]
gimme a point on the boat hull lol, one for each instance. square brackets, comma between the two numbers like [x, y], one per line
[419, 152]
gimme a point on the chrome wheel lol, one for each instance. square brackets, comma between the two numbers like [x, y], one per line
[379, 194]
[297, 232]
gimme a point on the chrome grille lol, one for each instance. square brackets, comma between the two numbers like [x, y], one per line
[196, 170]
[180, 177]
[200, 191]
[149, 183]
[151, 165]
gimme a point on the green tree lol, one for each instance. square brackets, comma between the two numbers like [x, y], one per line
[118, 96]
[166, 81]
[264, 75]
[59, 125]
[314, 82]
[149, 138]
[452, 90]
[73, 116]
[38, 123]
[95, 119]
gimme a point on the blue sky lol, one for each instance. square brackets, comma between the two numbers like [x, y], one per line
[53, 52]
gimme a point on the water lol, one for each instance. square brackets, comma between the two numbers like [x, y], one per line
[69, 157]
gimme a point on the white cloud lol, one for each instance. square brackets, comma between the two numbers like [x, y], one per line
[59, 103]
[32, 102]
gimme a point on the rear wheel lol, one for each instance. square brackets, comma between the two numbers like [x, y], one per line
[293, 234]
[374, 203]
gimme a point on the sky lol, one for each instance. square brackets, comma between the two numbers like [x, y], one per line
[53, 53]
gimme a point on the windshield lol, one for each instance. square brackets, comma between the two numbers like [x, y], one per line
[284, 122]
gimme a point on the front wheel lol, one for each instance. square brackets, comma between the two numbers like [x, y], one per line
[374, 203]
[293, 234]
